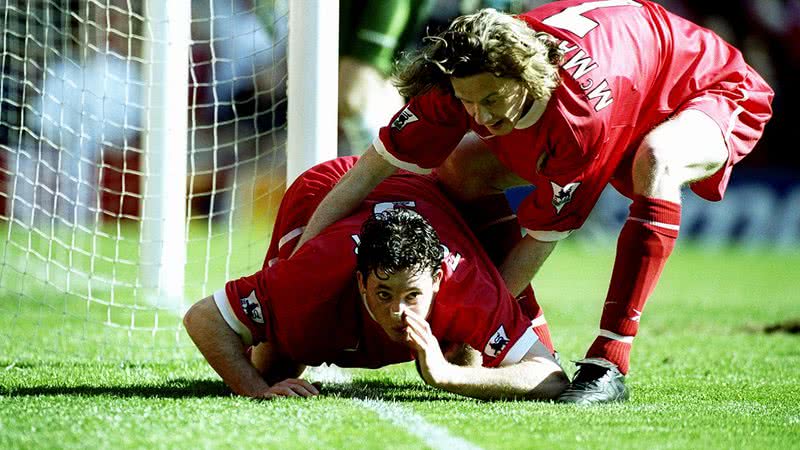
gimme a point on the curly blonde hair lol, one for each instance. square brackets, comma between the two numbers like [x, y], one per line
[486, 41]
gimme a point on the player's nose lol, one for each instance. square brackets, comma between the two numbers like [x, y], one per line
[482, 116]
[396, 311]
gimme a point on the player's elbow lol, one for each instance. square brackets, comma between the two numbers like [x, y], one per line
[190, 320]
[547, 379]
[551, 386]
[196, 317]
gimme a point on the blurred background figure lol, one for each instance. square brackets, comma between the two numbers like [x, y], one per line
[237, 101]
[372, 34]
[88, 108]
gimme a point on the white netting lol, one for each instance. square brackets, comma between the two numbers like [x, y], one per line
[73, 187]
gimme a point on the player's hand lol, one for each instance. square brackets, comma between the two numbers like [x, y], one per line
[430, 360]
[290, 387]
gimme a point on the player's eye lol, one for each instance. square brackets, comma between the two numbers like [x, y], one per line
[412, 297]
[384, 296]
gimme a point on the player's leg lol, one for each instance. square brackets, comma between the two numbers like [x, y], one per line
[472, 171]
[686, 148]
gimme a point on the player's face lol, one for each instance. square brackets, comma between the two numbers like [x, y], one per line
[387, 296]
[493, 102]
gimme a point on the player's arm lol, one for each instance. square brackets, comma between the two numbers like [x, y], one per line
[348, 193]
[524, 261]
[225, 352]
[461, 355]
[535, 376]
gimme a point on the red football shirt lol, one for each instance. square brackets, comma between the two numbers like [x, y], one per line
[627, 66]
[308, 305]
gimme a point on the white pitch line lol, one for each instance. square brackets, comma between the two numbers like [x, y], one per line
[437, 438]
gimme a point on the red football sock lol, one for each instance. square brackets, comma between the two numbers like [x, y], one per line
[527, 301]
[644, 244]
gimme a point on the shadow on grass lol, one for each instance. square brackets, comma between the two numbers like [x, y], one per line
[177, 388]
[181, 388]
[386, 390]
[788, 327]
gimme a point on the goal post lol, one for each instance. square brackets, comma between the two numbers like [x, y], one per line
[163, 257]
[313, 96]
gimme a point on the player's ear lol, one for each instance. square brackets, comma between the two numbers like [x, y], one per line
[362, 283]
[437, 280]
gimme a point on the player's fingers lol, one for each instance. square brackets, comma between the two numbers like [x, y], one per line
[411, 323]
[414, 322]
[265, 396]
[305, 385]
[416, 339]
[426, 338]
[311, 387]
[302, 391]
[284, 391]
[419, 321]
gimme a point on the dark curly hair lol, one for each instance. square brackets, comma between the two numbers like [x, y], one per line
[398, 239]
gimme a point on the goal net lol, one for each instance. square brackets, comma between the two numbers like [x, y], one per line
[91, 146]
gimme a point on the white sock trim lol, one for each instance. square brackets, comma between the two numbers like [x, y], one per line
[668, 226]
[539, 321]
[616, 337]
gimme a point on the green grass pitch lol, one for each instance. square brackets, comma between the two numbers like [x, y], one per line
[705, 374]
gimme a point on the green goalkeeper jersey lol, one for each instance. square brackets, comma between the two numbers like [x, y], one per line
[376, 31]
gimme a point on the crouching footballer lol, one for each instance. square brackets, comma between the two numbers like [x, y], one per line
[402, 278]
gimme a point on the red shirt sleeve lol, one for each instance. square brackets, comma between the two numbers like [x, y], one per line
[424, 133]
[568, 188]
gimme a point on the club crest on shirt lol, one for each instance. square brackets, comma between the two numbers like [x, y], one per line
[404, 118]
[252, 308]
[563, 194]
[496, 343]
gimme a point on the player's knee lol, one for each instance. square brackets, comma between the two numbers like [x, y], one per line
[652, 165]
[472, 171]
[687, 148]
[190, 318]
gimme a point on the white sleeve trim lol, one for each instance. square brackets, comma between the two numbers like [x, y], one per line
[221, 299]
[289, 236]
[548, 236]
[381, 149]
[520, 348]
